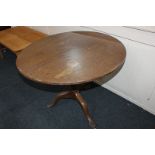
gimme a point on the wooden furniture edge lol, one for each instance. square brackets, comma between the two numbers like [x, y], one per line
[16, 52]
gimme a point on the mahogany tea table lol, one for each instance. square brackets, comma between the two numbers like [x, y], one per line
[71, 58]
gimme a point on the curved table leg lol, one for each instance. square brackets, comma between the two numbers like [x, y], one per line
[58, 97]
[74, 95]
[85, 109]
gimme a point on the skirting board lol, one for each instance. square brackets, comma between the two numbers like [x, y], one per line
[126, 97]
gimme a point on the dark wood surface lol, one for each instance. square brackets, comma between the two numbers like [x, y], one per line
[71, 58]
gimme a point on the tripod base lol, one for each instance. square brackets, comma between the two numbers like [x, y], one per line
[77, 96]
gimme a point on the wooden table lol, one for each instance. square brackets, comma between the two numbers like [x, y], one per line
[18, 38]
[71, 58]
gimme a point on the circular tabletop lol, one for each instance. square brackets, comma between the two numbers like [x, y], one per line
[71, 58]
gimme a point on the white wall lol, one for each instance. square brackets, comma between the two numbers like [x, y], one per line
[144, 28]
[145, 37]
[136, 80]
[57, 29]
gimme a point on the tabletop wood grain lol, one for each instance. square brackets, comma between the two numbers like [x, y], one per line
[71, 58]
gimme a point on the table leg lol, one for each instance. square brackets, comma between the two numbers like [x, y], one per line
[1, 56]
[77, 96]
[1, 51]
